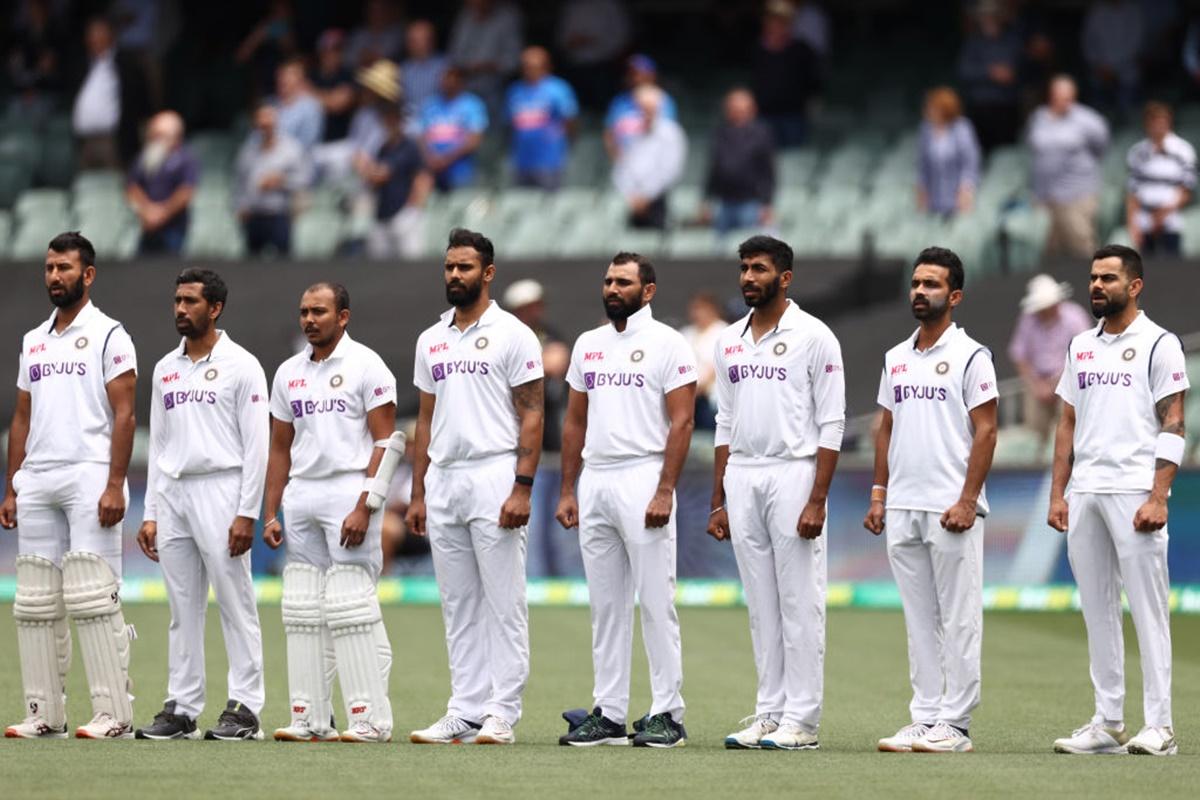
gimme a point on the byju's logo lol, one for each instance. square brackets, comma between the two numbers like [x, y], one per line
[1087, 379]
[39, 371]
[35, 372]
[297, 408]
[439, 372]
[306, 408]
[589, 380]
[756, 372]
[444, 370]
[169, 401]
[902, 393]
[734, 375]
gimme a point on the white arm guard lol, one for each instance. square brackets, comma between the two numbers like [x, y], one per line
[377, 487]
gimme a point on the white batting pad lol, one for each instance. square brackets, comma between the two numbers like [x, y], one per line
[353, 615]
[43, 638]
[310, 662]
[92, 599]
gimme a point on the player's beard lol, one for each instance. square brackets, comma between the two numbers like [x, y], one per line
[1111, 306]
[768, 294]
[186, 328]
[621, 309]
[461, 294]
[72, 294]
[931, 310]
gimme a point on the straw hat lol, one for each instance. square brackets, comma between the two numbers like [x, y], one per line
[1042, 292]
[382, 78]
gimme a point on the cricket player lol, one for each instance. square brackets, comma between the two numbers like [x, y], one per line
[479, 437]
[209, 431]
[781, 413]
[68, 454]
[333, 409]
[933, 450]
[628, 426]
[1119, 442]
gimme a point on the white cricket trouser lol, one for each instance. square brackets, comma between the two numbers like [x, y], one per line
[480, 570]
[940, 577]
[59, 510]
[1106, 552]
[194, 515]
[620, 556]
[783, 577]
[313, 512]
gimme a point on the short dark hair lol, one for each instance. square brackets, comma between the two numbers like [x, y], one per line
[1131, 260]
[778, 251]
[645, 268]
[77, 242]
[943, 257]
[461, 237]
[214, 289]
[341, 296]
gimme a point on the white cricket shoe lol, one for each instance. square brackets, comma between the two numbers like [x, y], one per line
[751, 736]
[495, 731]
[103, 726]
[299, 731]
[1093, 739]
[902, 741]
[447, 730]
[363, 731]
[34, 728]
[943, 738]
[1153, 742]
[789, 737]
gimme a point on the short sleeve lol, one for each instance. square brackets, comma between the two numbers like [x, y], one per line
[724, 422]
[884, 398]
[118, 354]
[1066, 382]
[1018, 346]
[575, 369]
[190, 174]
[476, 117]
[679, 365]
[828, 379]
[422, 377]
[979, 380]
[568, 106]
[22, 373]
[1168, 367]
[378, 385]
[525, 358]
[610, 116]
[280, 408]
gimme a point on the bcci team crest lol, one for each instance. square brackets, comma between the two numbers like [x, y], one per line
[481, 343]
[636, 356]
[780, 348]
[1129, 354]
[942, 368]
[211, 374]
[81, 342]
[336, 381]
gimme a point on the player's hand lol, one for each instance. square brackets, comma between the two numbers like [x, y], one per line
[1057, 518]
[241, 536]
[812, 520]
[1152, 516]
[658, 513]
[8, 510]
[273, 533]
[959, 517]
[874, 519]
[515, 511]
[568, 511]
[111, 507]
[718, 525]
[147, 539]
[354, 527]
[415, 517]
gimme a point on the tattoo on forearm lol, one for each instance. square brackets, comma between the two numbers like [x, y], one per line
[529, 396]
[1170, 421]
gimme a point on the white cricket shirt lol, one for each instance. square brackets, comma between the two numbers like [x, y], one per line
[209, 416]
[65, 375]
[626, 375]
[773, 396]
[327, 403]
[1113, 382]
[931, 394]
[472, 373]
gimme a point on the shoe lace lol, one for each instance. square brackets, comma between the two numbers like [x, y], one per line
[101, 717]
[362, 727]
[657, 725]
[164, 717]
[449, 724]
[913, 730]
[1091, 727]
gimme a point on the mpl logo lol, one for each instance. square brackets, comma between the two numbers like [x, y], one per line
[899, 368]
[597, 355]
[439, 348]
[38, 348]
[297, 383]
[174, 376]
[734, 348]
[1087, 355]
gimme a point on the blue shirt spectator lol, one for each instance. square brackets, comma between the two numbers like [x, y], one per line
[948, 156]
[541, 107]
[161, 185]
[624, 121]
[300, 115]
[452, 123]
[421, 72]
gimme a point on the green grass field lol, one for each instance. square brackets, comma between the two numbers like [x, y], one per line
[1035, 689]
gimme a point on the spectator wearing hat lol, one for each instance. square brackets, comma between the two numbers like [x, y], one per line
[333, 85]
[652, 163]
[1043, 335]
[300, 113]
[785, 75]
[379, 88]
[421, 72]
[161, 185]
[271, 167]
[542, 111]
[591, 36]
[1162, 177]
[624, 119]
[741, 167]
[401, 183]
[452, 123]
[948, 156]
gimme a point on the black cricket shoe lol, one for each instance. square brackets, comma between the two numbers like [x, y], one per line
[169, 725]
[595, 729]
[659, 731]
[235, 723]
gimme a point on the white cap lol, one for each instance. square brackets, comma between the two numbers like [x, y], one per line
[522, 293]
[1042, 292]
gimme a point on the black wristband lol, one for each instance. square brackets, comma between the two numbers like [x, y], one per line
[524, 480]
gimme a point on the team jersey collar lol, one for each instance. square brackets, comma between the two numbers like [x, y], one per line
[789, 320]
[488, 317]
[219, 347]
[1139, 322]
[338, 350]
[946, 337]
[636, 321]
[82, 318]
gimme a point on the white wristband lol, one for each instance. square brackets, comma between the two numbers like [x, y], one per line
[1170, 448]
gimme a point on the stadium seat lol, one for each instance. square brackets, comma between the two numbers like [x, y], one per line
[692, 243]
[35, 230]
[40, 203]
[15, 177]
[6, 225]
[316, 233]
[1027, 228]
[214, 235]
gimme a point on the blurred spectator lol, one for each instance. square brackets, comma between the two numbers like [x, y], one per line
[624, 120]
[421, 72]
[526, 299]
[785, 73]
[989, 69]
[741, 167]
[269, 43]
[270, 168]
[702, 331]
[591, 37]
[486, 43]
[1042, 336]
[1067, 141]
[1112, 44]
[300, 116]
[110, 104]
[379, 88]
[652, 163]
[947, 156]
[542, 111]
[161, 185]
[402, 185]
[146, 29]
[1162, 177]
[333, 85]
[35, 61]
[381, 35]
[811, 26]
[452, 125]
[1191, 54]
